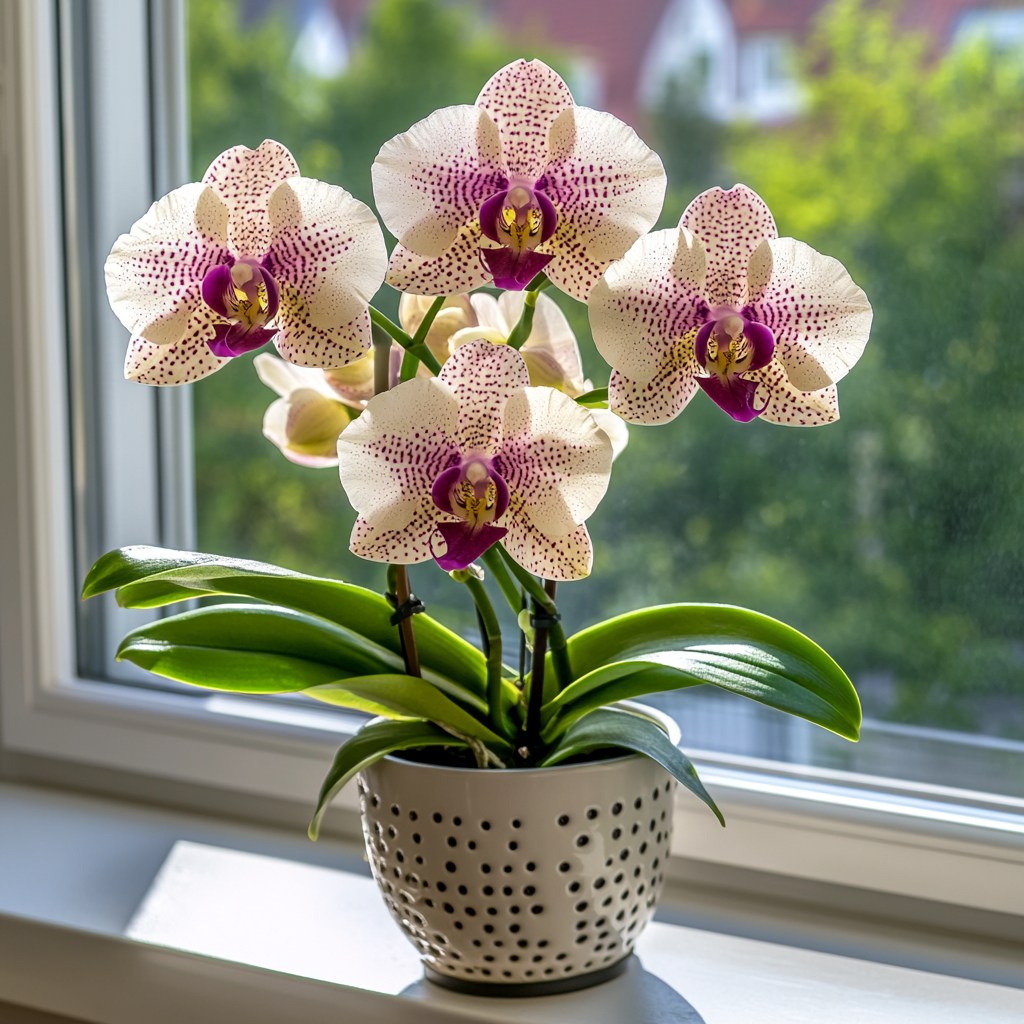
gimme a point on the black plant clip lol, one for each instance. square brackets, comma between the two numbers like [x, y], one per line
[542, 620]
[411, 606]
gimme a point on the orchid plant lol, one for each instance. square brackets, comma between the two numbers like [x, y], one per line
[466, 434]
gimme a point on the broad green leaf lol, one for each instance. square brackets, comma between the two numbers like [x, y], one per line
[148, 577]
[374, 741]
[610, 728]
[253, 649]
[596, 399]
[396, 695]
[662, 648]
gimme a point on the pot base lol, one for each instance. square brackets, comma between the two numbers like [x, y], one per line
[516, 990]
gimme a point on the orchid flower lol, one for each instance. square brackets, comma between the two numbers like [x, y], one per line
[521, 182]
[304, 423]
[764, 325]
[250, 254]
[445, 467]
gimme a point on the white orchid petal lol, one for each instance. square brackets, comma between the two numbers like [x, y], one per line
[179, 363]
[658, 400]
[305, 447]
[353, 383]
[491, 312]
[604, 180]
[456, 314]
[820, 318]
[244, 179]
[556, 457]
[390, 456]
[551, 337]
[615, 427]
[326, 253]
[647, 302]
[404, 546]
[154, 273]
[284, 377]
[483, 377]
[523, 100]
[731, 225]
[789, 405]
[457, 269]
[429, 182]
[568, 557]
[306, 345]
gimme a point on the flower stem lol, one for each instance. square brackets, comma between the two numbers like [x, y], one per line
[418, 349]
[402, 591]
[522, 329]
[535, 698]
[492, 559]
[556, 635]
[425, 324]
[491, 631]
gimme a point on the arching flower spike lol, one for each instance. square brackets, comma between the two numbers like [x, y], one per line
[446, 467]
[521, 182]
[253, 253]
[765, 326]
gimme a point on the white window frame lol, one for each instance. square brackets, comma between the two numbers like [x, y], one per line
[890, 838]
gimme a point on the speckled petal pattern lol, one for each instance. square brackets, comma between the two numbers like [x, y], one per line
[305, 345]
[568, 557]
[328, 247]
[820, 318]
[458, 269]
[603, 179]
[154, 273]
[406, 546]
[523, 99]
[656, 401]
[730, 225]
[390, 456]
[430, 181]
[556, 457]
[790, 406]
[244, 179]
[183, 361]
[647, 302]
[483, 377]
[574, 272]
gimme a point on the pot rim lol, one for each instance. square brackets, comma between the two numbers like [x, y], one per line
[661, 718]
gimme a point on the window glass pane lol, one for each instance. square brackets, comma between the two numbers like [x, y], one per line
[892, 537]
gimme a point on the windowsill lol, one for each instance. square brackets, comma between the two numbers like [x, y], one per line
[203, 920]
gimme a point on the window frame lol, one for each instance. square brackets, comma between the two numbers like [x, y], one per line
[891, 838]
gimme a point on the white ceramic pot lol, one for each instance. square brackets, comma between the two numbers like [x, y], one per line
[524, 881]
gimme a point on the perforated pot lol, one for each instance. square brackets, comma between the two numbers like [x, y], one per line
[519, 881]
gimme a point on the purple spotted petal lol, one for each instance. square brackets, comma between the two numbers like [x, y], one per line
[514, 271]
[819, 317]
[483, 377]
[790, 406]
[183, 361]
[390, 456]
[464, 543]
[306, 345]
[549, 215]
[736, 395]
[700, 342]
[457, 270]
[430, 182]
[567, 557]
[490, 211]
[523, 100]
[605, 182]
[244, 179]
[154, 273]
[647, 303]
[761, 341]
[326, 253]
[402, 546]
[216, 283]
[731, 225]
[555, 457]
[659, 400]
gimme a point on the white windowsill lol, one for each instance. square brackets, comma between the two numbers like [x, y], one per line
[207, 921]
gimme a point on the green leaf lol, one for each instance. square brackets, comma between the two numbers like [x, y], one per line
[148, 577]
[671, 646]
[250, 648]
[374, 741]
[596, 399]
[395, 695]
[610, 728]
